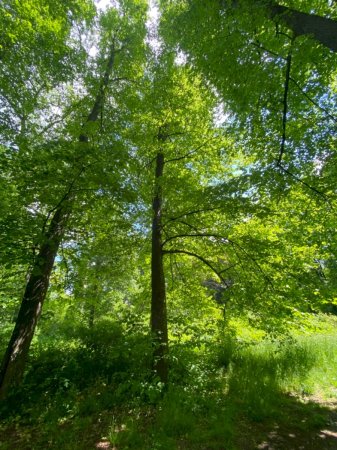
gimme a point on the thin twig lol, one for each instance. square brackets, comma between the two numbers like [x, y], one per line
[312, 188]
[210, 235]
[266, 277]
[190, 213]
[64, 197]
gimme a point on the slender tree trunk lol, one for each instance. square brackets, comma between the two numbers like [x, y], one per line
[14, 361]
[94, 295]
[158, 303]
[91, 318]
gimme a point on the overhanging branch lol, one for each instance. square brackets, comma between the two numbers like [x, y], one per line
[223, 240]
[202, 259]
[190, 213]
[295, 177]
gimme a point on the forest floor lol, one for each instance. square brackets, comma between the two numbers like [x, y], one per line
[303, 424]
[311, 425]
[265, 395]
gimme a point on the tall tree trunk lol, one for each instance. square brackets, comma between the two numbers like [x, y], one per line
[158, 301]
[323, 29]
[14, 361]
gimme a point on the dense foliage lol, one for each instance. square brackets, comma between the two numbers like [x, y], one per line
[168, 215]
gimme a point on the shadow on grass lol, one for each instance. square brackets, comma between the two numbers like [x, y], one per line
[185, 424]
[295, 425]
[245, 407]
[181, 422]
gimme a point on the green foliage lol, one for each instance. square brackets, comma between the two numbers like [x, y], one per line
[84, 387]
[249, 247]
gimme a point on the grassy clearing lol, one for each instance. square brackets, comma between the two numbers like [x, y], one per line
[92, 390]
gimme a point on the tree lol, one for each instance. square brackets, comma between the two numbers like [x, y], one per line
[55, 226]
[277, 92]
[182, 144]
[40, 48]
[13, 364]
[256, 68]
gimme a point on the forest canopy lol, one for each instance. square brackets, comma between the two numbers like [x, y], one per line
[168, 178]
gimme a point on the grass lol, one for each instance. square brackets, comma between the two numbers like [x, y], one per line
[322, 378]
[227, 396]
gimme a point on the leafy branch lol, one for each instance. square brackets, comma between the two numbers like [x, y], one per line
[223, 240]
[202, 259]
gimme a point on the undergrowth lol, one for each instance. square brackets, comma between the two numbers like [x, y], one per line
[97, 385]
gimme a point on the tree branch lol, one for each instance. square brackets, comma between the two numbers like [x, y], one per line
[265, 276]
[188, 153]
[202, 259]
[190, 213]
[210, 235]
[323, 29]
[285, 108]
[64, 197]
[312, 188]
[261, 47]
[284, 133]
[189, 225]
[313, 101]
[224, 240]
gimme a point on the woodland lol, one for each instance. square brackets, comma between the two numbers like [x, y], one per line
[168, 224]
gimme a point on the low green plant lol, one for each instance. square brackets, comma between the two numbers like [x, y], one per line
[101, 386]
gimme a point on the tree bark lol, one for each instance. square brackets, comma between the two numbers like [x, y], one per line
[14, 360]
[13, 364]
[323, 29]
[158, 301]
